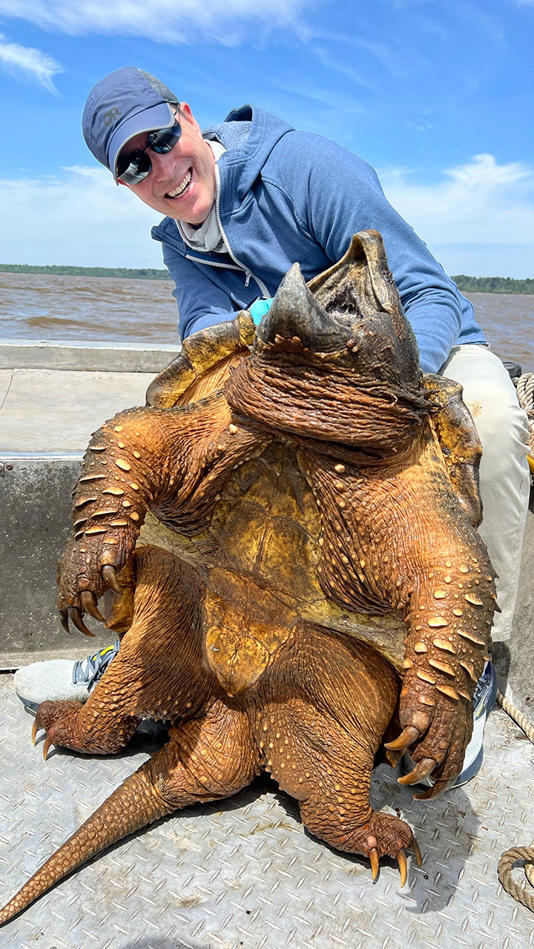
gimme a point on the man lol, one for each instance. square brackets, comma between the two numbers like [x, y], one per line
[244, 200]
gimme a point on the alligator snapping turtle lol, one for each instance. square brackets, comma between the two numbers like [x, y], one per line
[309, 566]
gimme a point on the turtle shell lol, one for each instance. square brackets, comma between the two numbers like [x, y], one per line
[266, 527]
[203, 364]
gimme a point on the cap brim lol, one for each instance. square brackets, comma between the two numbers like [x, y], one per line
[158, 116]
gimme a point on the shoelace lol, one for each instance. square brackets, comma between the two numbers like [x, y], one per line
[92, 668]
[483, 686]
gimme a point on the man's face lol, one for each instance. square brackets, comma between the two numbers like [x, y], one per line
[181, 183]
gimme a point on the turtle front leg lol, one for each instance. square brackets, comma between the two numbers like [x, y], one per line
[449, 623]
[170, 461]
[118, 482]
[443, 586]
[397, 539]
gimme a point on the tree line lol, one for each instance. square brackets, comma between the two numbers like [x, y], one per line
[494, 284]
[464, 282]
[144, 273]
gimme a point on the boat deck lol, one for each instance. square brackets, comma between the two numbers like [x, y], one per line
[245, 873]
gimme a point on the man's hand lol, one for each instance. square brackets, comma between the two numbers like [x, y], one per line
[259, 308]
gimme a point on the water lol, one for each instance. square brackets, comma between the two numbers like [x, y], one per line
[107, 309]
[508, 323]
[115, 309]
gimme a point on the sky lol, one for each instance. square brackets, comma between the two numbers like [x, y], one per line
[436, 94]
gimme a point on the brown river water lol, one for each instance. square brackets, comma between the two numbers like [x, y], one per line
[117, 309]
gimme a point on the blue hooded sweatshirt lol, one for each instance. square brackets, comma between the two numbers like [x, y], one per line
[284, 196]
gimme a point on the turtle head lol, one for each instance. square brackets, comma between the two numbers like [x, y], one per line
[335, 359]
[349, 316]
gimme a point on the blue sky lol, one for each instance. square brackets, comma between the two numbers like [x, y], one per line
[437, 96]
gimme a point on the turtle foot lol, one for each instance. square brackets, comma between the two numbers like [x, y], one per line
[437, 725]
[382, 835]
[388, 836]
[86, 570]
[58, 720]
[74, 725]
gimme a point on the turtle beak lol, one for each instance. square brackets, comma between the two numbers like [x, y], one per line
[295, 318]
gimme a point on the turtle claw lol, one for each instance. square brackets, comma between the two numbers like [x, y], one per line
[64, 620]
[403, 866]
[46, 747]
[88, 602]
[393, 757]
[417, 852]
[110, 576]
[421, 771]
[401, 860]
[438, 788]
[48, 741]
[76, 617]
[405, 739]
[375, 863]
[58, 720]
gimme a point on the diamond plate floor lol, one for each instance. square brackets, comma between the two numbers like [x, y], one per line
[244, 873]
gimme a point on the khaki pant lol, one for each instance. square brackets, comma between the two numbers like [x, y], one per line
[504, 474]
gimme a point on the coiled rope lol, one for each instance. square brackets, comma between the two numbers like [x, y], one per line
[525, 394]
[522, 893]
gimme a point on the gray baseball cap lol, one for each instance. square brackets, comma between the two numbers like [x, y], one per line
[122, 105]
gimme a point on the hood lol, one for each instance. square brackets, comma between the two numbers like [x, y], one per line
[249, 135]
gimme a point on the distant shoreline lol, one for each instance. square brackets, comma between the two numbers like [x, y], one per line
[465, 283]
[134, 273]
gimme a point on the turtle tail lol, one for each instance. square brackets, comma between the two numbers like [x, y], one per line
[136, 803]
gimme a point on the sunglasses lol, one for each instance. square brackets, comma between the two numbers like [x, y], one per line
[135, 166]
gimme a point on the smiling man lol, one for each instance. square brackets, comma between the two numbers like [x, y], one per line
[244, 200]
[181, 185]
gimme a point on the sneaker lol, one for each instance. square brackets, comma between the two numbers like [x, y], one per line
[483, 701]
[60, 679]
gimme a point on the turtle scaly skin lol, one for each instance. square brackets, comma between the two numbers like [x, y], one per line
[289, 530]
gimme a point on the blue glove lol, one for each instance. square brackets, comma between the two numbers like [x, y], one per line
[258, 309]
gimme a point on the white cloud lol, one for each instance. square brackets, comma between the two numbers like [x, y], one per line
[160, 20]
[389, 53]
[478, 202]
[78, 217]
[479, 219]
[32, 63]
[340, 66]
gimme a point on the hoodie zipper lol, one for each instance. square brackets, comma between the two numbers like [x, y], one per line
[215, 263]
[248, 274]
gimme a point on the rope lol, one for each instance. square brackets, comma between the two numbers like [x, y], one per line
[525, 394]
[516, 716]
[520, 893]
[523, 894]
